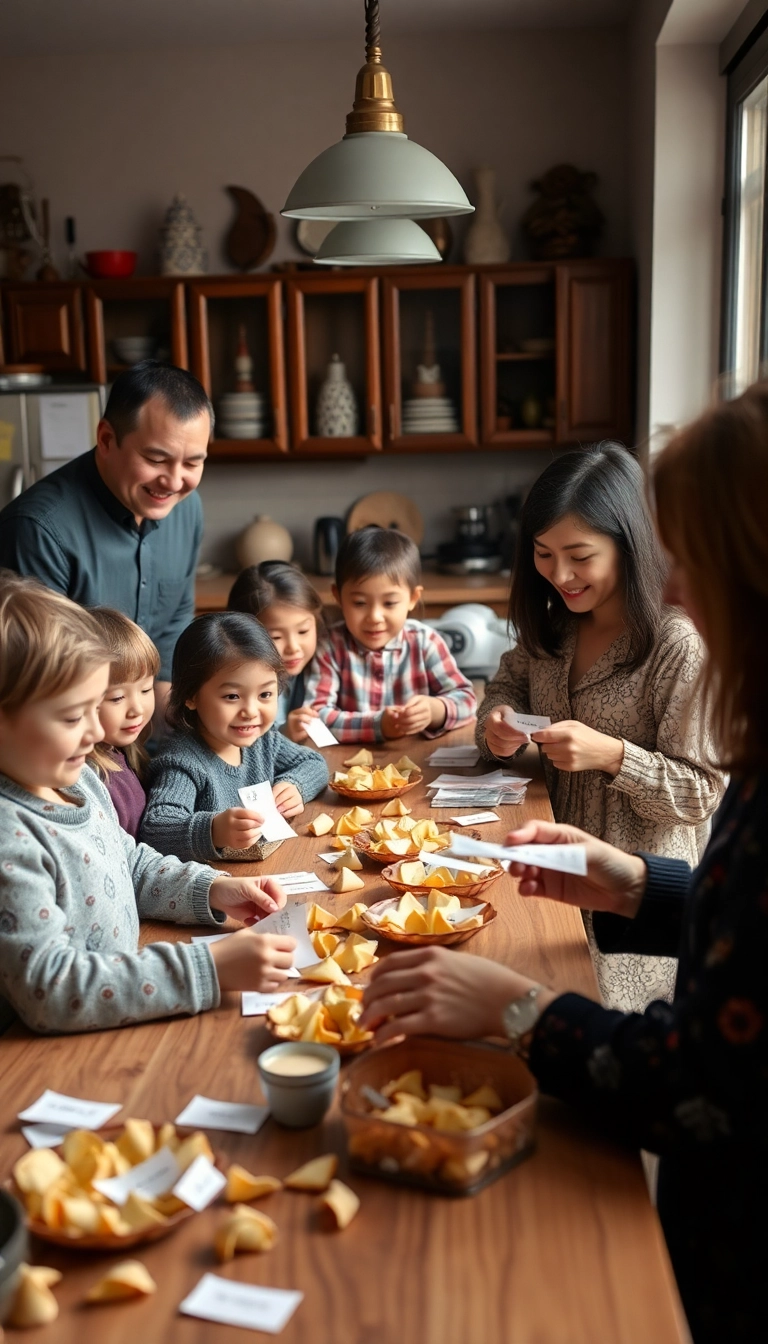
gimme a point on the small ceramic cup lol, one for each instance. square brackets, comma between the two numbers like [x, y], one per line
[299, 1100]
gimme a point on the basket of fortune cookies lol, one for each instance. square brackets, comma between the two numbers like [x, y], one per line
[375, 783]
[59, 1188]
[456, 1115]
[436, 920]
[421, 879]
[330, 1020]
[393, 838]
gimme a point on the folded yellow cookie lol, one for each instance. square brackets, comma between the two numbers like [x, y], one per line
[395, 808]
[356, 954]
[352, 919]
[361, 757]
[318, 918]
[129, 1279]
[315, 1175]
[348, 858]
[321, 825]
[33, 1302]
[347, 881]
[242, 1186]
[341, 1202]
[245, 1229]
[326, 972]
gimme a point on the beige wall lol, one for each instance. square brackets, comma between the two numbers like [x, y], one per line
[110, 138]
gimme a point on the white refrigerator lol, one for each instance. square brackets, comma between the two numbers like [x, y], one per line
[41, 429]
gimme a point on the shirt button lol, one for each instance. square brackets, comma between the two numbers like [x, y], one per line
[143, 583]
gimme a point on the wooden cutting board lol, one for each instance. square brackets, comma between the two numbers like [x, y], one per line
[386, 508]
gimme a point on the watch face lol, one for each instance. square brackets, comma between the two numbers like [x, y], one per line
[521, 1015]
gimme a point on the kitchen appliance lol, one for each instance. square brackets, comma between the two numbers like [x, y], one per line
[474, 549]
[41, 428]
[329, 534]
[476, 637]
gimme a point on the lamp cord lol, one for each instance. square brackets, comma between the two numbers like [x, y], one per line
[372, 28]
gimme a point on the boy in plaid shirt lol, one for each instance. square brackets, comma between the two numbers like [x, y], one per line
[382, 675]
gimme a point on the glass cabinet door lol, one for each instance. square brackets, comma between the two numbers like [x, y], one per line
[131, 320]
[517, 345]
[430, 388]
[333, 345]
[237, 353]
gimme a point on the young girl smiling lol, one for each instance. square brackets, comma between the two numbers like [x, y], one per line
[223, 704]
[286, 604]
[126, 714]
[73, 884]
[626, 757]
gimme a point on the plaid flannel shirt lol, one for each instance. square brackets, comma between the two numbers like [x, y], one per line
[351, 686]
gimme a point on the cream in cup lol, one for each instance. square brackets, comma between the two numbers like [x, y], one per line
[299, 1080]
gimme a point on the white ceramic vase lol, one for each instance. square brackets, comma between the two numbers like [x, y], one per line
[336, 413]
[263, 539]
[486, 242]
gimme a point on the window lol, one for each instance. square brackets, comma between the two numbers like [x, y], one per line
[745, 328]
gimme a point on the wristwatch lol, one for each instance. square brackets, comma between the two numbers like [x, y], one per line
[521, 1015]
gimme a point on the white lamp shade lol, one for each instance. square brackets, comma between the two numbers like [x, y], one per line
[376, 173]
[376, 242]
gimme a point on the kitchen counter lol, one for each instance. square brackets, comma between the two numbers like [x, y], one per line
[441, 591]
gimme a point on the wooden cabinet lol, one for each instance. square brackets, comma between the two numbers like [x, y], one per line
[593, 351]
[219, 310]
[530, 354]
[429, 309]
[149, 310]
[45, 326]
[334, 315]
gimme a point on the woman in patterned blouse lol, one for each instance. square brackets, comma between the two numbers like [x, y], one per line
[687, 1080]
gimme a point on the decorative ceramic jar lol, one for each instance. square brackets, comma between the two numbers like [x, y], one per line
[263, 539]
[486, 241]
[181, 242]
[336, 412]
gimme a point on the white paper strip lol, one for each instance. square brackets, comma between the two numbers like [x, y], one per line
[294, 884]
[148, 1179]
[259, 798]
[253, 1004]
[243, 1304]
[320, 734]
[559, 858]
[525, 723]
[54, 1108]
[236, 1117]
[200, 1184]
[476, 818]
[292, 920]
[46, 1136]
[455, 865]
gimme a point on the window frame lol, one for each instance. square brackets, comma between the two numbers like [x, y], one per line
[744, 75]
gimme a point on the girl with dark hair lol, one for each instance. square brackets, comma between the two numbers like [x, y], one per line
[599, 654]
[226, 680]
[291, 611]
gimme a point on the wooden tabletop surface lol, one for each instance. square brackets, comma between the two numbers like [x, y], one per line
[564, 1249]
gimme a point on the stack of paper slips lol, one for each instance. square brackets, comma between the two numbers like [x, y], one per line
[461, 756]
[491, 790]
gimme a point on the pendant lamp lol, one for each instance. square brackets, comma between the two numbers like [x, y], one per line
[376, 242]
[375, 170]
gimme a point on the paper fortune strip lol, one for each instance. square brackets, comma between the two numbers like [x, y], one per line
[559, 858]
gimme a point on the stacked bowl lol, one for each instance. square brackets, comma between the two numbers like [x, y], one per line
[241, 415]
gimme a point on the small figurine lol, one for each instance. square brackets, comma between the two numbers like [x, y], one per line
[564, 221]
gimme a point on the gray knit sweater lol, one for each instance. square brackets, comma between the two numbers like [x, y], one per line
[189, 785]
[73, 886]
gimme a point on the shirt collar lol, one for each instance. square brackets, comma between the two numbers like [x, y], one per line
[395, 644]
[109, 502]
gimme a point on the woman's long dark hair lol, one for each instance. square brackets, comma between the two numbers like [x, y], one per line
[604, 488]
[208, 644]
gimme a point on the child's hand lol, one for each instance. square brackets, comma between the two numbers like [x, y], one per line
[237, 828]
[500, 737]
[248, 899]
[288, 800]
[251, 960]
[295, 726]
[390, 722]
[421, 712]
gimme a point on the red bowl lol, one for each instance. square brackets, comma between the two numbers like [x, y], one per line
[110, 265]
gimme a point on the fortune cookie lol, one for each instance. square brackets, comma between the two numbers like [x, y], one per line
[405, 763]
[341, 1202]
[242, 1186]
[137, 1141]
[318, 918]
[245, 1229]
[34, 1303]
[129, 1279]
[487, 1096]
[356, 954]
[315, 1175]
[321, 824]
[347, 881]
[352, 920]
[395, 808]
[37, 1170]
[326, 972]
[324, 942]
[348, 858]
[361, 757]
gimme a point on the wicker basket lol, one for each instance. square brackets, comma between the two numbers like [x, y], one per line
[364, 841]
[376, 795]
[424, 939]
[261, 850]
[474, 889]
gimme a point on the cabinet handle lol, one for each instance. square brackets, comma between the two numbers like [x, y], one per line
[392, 422]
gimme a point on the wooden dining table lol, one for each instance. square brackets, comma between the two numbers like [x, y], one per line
[565, 1248]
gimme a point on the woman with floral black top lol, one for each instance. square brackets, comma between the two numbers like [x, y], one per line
[687, 1080]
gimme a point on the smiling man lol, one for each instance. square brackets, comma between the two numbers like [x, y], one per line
[121, 525]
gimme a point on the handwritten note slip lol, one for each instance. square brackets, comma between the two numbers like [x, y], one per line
[259, 798]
